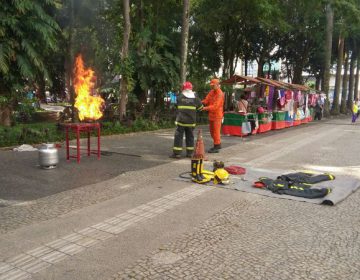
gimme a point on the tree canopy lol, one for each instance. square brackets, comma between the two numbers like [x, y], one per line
[39, 39]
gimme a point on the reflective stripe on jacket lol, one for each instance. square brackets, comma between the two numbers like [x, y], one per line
[186, 110]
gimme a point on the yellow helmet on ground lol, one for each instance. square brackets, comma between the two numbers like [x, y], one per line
[221, 176]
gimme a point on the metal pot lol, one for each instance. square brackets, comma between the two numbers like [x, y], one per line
[48, 156]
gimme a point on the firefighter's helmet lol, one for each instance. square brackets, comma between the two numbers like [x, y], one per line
[221, 176]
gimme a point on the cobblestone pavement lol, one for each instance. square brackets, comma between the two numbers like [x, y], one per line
[268, 239]
[27, 212]
[252, 237]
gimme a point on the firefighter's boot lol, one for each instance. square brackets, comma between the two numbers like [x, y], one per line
[196, 175]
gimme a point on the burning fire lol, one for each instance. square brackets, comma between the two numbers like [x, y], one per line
[88, 104]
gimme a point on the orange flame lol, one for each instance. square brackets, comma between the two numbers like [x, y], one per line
[88, 104]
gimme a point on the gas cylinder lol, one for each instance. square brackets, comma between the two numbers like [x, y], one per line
[48, 156]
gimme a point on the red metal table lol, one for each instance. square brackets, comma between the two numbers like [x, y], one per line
[79, 128]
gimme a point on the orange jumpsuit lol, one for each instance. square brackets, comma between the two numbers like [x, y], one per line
[214, 103]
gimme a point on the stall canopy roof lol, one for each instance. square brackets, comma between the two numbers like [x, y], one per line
[241, 79]
[274, 83]
[301, 87]
[246, 80]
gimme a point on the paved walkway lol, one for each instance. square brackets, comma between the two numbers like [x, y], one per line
[143, 224]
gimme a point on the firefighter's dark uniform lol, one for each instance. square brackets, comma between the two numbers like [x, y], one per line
[185, 123]
[298, 184]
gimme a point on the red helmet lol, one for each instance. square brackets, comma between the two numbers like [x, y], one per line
[187, 85]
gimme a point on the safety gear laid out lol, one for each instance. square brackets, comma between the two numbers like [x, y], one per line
[201, 176]
[306, 177]
[221, 176]
[197, 174]
[218, 164]
[235, 170]
[296, 184]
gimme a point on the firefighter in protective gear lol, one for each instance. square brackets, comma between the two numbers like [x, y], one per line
[214, 103]
[187, 105]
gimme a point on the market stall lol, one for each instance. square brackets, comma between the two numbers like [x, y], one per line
[265, 122]
[264, 104]
[276, 101]
[240, 120]
[236, 124]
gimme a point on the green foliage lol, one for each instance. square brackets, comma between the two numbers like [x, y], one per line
[27, 33]
[29, 134]
[49, 132]
[127, 69]
[25, 112]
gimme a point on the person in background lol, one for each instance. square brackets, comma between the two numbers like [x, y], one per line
[318, 110]
[243, 104]
[355, 110]
[214, 104]
[187, 104]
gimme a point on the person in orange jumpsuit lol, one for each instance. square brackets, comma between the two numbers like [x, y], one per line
[214, 103]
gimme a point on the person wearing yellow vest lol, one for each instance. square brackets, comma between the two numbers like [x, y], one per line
[355, 110]
[214, 103]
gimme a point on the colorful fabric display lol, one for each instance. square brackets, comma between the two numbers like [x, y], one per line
[270, 98]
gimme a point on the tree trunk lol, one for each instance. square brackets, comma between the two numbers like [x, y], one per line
[226, 56]
[327, 56]
[69, 63]
[335, 107]
[40, 91]
[288, 72]
[5, 115]
[298, 68]
[141, 48]
[356, 88]
[246, 66]
[345, 83]
[234, 66]
[260, 72]
[351, 81]
[318, 82]
[5, 108]
[184, 40]
[124, 56]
